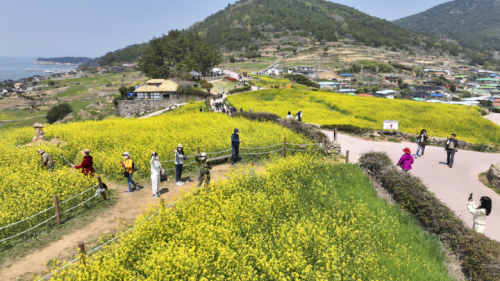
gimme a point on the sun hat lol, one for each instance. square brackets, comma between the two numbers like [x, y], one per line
[203, 154]
[407, 150]
[126, 154]
[236, 130]
[86, 151]
[39, 151]
[179, 146]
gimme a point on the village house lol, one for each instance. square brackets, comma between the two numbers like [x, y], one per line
[303, 67]
[20, 86]
[157, 89]
[428, 89]
[389, 94]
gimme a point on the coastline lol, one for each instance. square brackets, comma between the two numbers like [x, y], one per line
[54, 63]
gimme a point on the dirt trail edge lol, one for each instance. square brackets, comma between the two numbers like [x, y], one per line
[451, 186]
[127, 208]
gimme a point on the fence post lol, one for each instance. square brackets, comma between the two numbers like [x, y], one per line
[284, 147]
[323, 141]
[347, 156]
[81, 251]
[56, 208]
[335, 134]
[198, 152]
[101, 186]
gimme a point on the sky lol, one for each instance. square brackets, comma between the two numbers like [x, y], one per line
[56, 28]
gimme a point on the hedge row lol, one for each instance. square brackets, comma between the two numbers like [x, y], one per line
[239, 90]
[480, 255]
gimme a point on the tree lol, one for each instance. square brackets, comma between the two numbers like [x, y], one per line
[123, 90]
[172, 53]
[453, 88]
[51, 83]
[325, 50]
[58, 112]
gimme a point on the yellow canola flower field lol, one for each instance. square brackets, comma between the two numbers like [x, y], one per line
[300, 220]
[26, 190]
[325, 108]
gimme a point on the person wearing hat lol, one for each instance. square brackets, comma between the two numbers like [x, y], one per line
[179, 162]
[406, 160]
[129, 168]
[46, 160]
[235, 145]
[205, 167]
[156, 172]
[87, 163]
[299, 116]
[480, 212]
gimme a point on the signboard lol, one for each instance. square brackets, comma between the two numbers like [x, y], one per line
[391, 125]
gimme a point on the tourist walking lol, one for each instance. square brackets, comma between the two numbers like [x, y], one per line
[298, 116]
[289, 116]
[422, 142]
[46, 160]
[451, 147]
[406, 160]
[87, 163]
[156, 172]
[179, 162]
[251, 110]
[201, 109]
[205, 167]
[480, 212]
[235, 145]
[129, 167]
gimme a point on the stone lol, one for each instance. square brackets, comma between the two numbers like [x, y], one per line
[494, 175]
[39, 133]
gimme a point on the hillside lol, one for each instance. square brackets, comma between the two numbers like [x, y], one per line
[128, 54]
[254, 23]
[63, 60]
[473, 24]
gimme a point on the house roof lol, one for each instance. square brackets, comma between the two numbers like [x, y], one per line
[155, 81]
[346, 74]
[386, 92]
[167, 86]
[18, 84]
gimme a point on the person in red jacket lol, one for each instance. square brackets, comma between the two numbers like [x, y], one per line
[86, 164]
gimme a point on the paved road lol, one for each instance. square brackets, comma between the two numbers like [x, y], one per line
[162, 111]
[452, 186]
[494, 117]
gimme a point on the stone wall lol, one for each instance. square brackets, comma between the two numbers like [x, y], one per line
[411, 137]
[129, 108]
[494, 175]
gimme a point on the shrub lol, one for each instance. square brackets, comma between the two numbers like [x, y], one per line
[301, 79]
[478, 253]
[239, 90]
[58, 112]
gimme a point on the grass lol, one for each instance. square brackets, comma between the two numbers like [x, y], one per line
[77, 105]
[19, 114]
[484, 180]
[71, 92]
[224, 84]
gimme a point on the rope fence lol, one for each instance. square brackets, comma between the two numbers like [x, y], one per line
[132, 228]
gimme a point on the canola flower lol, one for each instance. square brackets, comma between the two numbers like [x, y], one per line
[325, 108]
[26, 190]
[323, 222]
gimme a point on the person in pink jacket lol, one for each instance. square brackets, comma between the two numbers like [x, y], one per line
[406, 160]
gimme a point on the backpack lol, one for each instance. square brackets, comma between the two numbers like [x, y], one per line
[134, 167]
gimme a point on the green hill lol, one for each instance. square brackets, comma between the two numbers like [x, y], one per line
[473, 24]
[128, 54]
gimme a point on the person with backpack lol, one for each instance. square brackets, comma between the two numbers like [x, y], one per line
[422, 142]
[87, 163]
[451, 147]
[235, 145]
[46, 160]
[129, 167]
[205, 167]
[179, 161]
[298, 117]
[156, 172]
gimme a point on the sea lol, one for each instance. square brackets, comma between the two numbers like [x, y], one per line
[15, 67]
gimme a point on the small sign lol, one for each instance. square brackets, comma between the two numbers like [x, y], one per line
[391, 125]
[302, 146]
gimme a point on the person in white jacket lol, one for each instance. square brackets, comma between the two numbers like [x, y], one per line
[156, 172]
[289, 116]
[480, 212]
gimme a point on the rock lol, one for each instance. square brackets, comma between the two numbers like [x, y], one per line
[494, 175]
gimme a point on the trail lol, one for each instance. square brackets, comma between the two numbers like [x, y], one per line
[451, 186]
[127, 208]
[161, 111]
[494, 117]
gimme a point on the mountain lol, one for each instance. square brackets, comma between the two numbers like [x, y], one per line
[250, 23]
[474, 24]
[63, 60]
[128, 54]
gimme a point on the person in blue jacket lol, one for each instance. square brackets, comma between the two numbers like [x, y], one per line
[235, 144]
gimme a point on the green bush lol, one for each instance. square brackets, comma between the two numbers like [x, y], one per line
[479, 255]
[58, 112]
[239, 90]
[301, 79]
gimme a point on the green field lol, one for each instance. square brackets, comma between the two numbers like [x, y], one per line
[325, 108]
[224, 84]
[291, 223]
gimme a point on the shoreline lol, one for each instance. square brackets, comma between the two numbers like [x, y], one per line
[54, 63]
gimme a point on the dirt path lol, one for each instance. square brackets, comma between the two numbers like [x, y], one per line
[494, 117]
[452, 186]
[127, 208]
